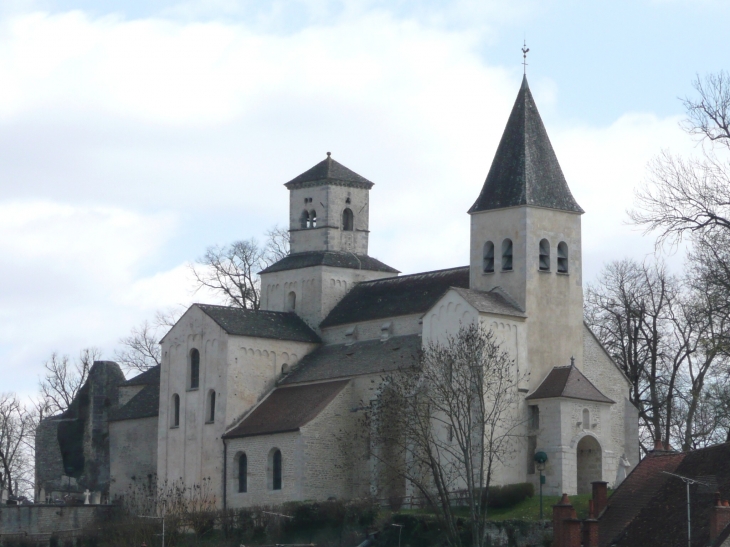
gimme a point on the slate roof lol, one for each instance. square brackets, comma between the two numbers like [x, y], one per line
[394, 296]
[347, 360]
[143, 405]
[336, 259]
[525, 169]
[663, 519]
[148, 377]
[261, 324]
[493, 301]
[635, 492]
[328, 171]
[287, 409]
[568, 382]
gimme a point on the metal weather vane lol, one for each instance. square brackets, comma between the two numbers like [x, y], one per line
[525, 49]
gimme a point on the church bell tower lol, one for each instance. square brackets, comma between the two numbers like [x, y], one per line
[526, 239]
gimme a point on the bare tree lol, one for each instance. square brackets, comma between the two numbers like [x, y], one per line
[16, 437]
[63, 378]
[140, 351]
[444, 425]
[633, 309]
[231, 271]
[692, 195]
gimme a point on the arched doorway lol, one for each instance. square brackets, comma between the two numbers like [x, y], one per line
[589, 463]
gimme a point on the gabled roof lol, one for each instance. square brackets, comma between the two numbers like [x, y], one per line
[492, 301]
[287, 409]
[662, 520]
[568, 382]
[145, 404]
[347, 360]
[635, 492]
[328, 171]
[335, 259]
[260, 324]
[525, 169]
[148, 377]
[394, 296]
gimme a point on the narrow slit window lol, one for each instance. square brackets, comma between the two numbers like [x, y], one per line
[507, 255]
[243, 473]
[562, 257]
[211, 406]
[291, 301]
[348, 220]
[586, 419]
[276, 470]
[544, 255]
[194, 368]
[488, 257]
[175, 422]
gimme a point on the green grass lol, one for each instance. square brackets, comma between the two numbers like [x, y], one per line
[530, 508]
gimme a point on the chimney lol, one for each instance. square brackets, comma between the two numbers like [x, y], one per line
[719, 517]
[590, 527]
[562, 511]
[571, 533]
[600, 497]
[658, 445]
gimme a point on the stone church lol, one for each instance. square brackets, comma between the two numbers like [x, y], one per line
[256, 402]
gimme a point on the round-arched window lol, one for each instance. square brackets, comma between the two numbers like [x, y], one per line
[348, 220]
[488, 263]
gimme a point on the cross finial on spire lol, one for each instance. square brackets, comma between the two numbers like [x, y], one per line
[525, 49]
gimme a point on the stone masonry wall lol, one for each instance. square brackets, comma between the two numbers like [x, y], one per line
[46, 519]
[133, 454]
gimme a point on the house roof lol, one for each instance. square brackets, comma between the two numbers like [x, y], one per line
[260, 324]
[148, 377]
[145, 404]
[328, 171]
[394, 296]
[493, 301]
[525, 169]
[635, 492]
[335, 259]
[568, 382]
[663, 519]
[287, 409]
[347, 360]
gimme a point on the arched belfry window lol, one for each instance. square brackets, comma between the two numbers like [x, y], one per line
[507, 255]
[544, 255]
[488, 263]
[194, 368]
[348, 220]
[175, 418]
[562, 257]
[304, 219]
[312, 218]
[243, 473]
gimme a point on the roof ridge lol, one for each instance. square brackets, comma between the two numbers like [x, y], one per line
[406, 276]
[238, 308]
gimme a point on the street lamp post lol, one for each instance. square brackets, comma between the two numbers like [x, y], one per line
[541, 459]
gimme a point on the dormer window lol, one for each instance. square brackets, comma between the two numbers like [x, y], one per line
[507, 255]
[488, 262]
[544, 255]
[563, 257]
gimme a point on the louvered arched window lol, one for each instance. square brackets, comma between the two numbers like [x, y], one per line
[488, 263]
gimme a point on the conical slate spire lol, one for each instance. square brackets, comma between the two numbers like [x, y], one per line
[328, 171]
[525, 169]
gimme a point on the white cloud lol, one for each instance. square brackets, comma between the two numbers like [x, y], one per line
[131, 144]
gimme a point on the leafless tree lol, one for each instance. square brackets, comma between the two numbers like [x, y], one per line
[445, 424]
[16, 437]
[140, 351]
[231, 271]
[63, 378]
[692, 196]
[633, 309]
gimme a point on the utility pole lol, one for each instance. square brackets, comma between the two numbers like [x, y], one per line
[687, 481]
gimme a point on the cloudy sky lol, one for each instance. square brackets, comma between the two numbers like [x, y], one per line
[135, 133]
